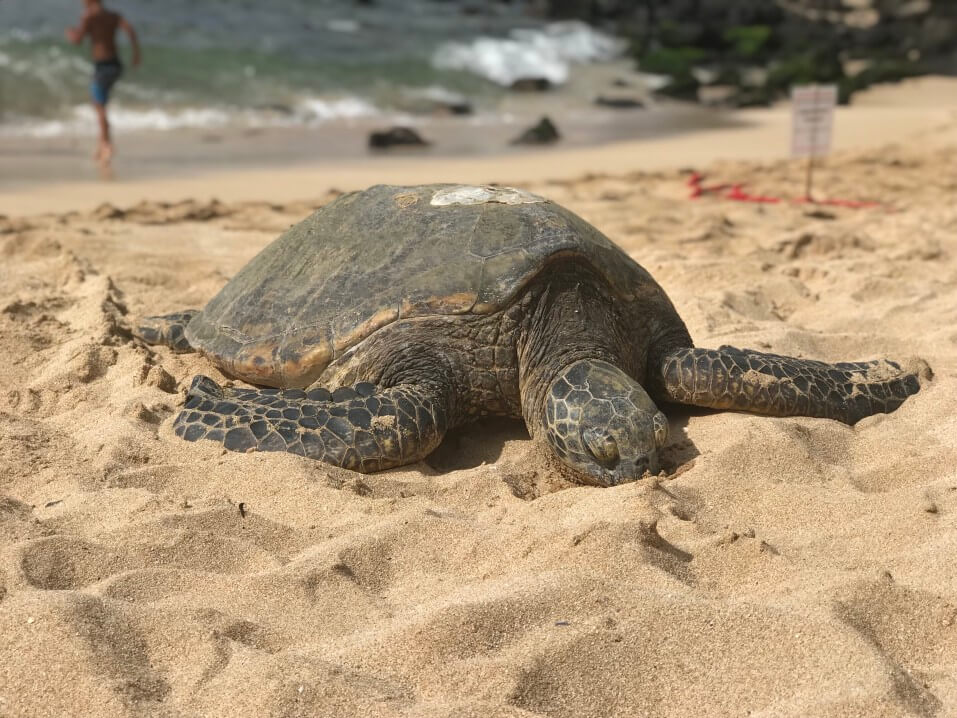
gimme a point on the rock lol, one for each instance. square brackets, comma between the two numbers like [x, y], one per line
[680, 88]
[620, 103]
[773, 46]
[734, 96]
[531, 84]
[706, 75]
[911, 9]
[592, 11]
[396, 137]
[542, 133]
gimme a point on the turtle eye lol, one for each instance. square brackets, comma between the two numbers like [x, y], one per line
[602, 447]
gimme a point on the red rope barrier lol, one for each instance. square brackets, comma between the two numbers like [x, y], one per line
[737, 193]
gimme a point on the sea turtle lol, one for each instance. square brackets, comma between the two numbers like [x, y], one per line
[391, 315]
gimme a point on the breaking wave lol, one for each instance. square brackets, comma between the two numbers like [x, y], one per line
[544, 53]
[81, 120]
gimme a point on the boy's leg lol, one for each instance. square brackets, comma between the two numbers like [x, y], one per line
[105, 76]
[104, 151]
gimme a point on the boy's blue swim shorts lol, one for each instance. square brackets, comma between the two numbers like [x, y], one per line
[105, 75]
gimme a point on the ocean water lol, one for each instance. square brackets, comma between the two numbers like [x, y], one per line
[218, 63]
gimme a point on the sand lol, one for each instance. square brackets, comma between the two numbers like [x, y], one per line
[781, 567]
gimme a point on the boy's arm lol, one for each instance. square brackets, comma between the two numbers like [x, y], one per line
[134, 40]
[76, 34]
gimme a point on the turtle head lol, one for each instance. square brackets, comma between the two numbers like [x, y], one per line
[602, 424]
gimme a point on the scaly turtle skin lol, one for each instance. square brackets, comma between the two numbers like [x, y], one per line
[394, 314]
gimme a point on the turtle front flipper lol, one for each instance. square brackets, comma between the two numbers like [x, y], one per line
[168, 330]
[748, 380]
[362, 428]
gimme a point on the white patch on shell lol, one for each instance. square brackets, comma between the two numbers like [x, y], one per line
[467, 194]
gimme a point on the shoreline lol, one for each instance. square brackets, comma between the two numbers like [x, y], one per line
[144, 155]
[882, 115]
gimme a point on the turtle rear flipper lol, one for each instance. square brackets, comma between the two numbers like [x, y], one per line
[363, 428]
[168, 330]
[748, 380]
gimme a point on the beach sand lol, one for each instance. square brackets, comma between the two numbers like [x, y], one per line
[781, 567]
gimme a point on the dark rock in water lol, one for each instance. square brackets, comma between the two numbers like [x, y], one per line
[620, 103]
[453, 108]
[569, 9]
[603, 11]
[396, 137]
[543, 133]
[531, 84]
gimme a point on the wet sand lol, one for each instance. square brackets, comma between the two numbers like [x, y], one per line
[780, 567]
[149, 155]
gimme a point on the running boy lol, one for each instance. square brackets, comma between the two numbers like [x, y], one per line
[101, 25]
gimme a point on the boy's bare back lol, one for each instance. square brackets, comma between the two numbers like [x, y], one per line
[101, 25]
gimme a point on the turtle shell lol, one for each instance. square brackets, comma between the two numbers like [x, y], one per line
[388, 253]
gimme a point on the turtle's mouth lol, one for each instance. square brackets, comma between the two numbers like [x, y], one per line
[607, 463]
[628, 470]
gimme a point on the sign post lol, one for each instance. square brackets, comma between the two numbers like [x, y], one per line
[812, 120]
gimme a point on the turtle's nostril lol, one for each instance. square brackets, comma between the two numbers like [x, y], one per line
[602, 447]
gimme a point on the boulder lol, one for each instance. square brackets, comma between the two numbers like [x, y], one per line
[396, 137]
[531, 84]
[543, 133]
[619, 103]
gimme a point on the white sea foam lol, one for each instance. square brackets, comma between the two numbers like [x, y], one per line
[317, 109]
[435, 93]
[18, 34]
[82, 119]
[545, 53]
[343, 25]
[49, 69]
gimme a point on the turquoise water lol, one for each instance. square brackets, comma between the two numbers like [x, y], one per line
[282, 62]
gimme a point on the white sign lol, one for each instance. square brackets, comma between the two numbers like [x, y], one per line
[812, 118]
